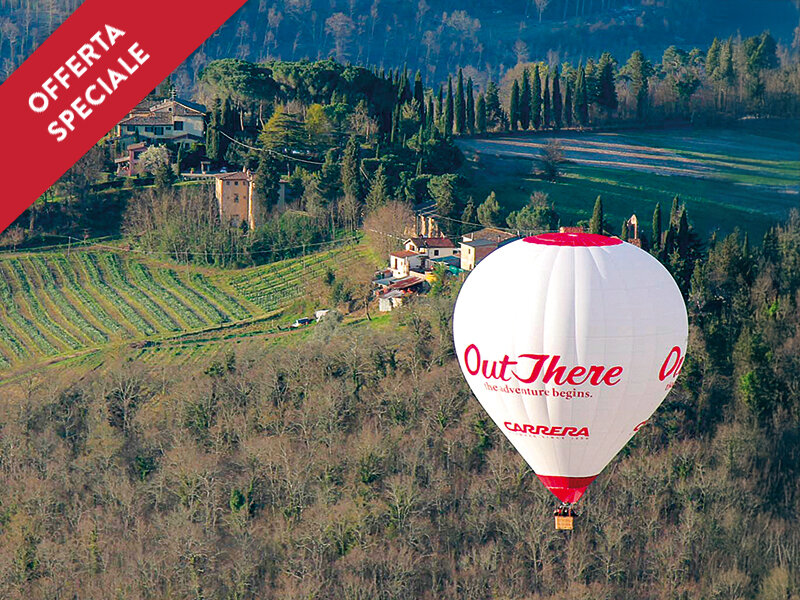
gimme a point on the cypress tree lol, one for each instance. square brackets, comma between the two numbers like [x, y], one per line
[469, 217]
[513, 109]
[419, 95]
[558, 102]
[596, 223]
[592, 87]
[350, 169]
[607, 90]
[470, 107]
[494, 113]
[657, 228]
[378, 192]
[429, 116]
[481, 114]
[212, 132]
[440, 110]
[581, 107]
[460, 109]
[683, 234]
[448, 109]
[639, 70]
[568, 102]
[712, 59]
[536, 98]
[674, 213]
[623, 235]
[525, 101]
[546, 113]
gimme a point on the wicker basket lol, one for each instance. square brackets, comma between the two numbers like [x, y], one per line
[564, 522]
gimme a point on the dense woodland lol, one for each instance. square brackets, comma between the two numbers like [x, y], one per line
[354, 463]
[436, 36]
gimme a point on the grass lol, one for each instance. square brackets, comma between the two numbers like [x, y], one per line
[750, 176]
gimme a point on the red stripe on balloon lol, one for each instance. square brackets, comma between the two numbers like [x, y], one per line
[566, 489]
[573, 239]
[167, 31]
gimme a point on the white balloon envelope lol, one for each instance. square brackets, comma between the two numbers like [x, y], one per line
[570, 342]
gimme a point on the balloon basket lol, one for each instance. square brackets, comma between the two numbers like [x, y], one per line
[564, 523]
[565, 517]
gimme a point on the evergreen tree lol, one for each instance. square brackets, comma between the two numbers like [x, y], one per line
[558, 102]
[623, 235]
[481, 114]
[440, 110]
[212, 132]
[494, 113]
[351, 169]
[607, 90]
[638, 70]
[656, 243]
[727, 72]
[581, 106]
[267, 181]
[674, 213]
[525, 101]
[460, 108]
[513, 109]
[419, 95]
[568, 102]
[597, 220]
[469, 217]
[164, 177]
[712, 59]
[470, 107]
[448, 109]
[592, 82]
[330, 180]
[429, 120]
[536, 98]
[489, 212]
[547, 116]
[378, 192]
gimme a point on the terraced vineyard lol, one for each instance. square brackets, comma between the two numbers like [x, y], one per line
[280, 283]
[55, 304]
[58, 305]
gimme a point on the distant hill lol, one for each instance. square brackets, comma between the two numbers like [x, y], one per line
[437, 36]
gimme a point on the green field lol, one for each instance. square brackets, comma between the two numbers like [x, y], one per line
[746, 176]
[58, 307]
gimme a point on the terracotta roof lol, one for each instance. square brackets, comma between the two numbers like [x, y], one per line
[406, 283]
[405, 254]
[157, 119]
[232, 176]
[180, 107]
[139, 146]
[433, 242]
[489, 233]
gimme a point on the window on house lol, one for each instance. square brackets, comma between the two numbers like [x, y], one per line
[159, 131]
[148, 130]
[178, 125]
[236, 198]
[436, 253]
[131, 128]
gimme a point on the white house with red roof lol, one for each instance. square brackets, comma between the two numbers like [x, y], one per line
[432, 247]
[174, 120]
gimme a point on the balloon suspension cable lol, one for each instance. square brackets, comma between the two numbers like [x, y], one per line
[565, 515]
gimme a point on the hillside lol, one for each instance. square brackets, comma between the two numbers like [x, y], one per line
[93, 301]
[438, 36]
[353, 462]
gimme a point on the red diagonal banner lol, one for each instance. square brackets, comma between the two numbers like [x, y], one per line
[84, 79]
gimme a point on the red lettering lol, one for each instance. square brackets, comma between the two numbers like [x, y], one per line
[570, 431]
[503, 364]
[528, 429]
[537, 367]
[471, 348]
[596, 374]
[668, 369]
[552, 371]
[491, 375]
[556, 431]
[584, 431]
[576, 372]
[610, 374]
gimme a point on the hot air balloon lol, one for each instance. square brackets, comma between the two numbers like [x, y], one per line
[570, 341]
